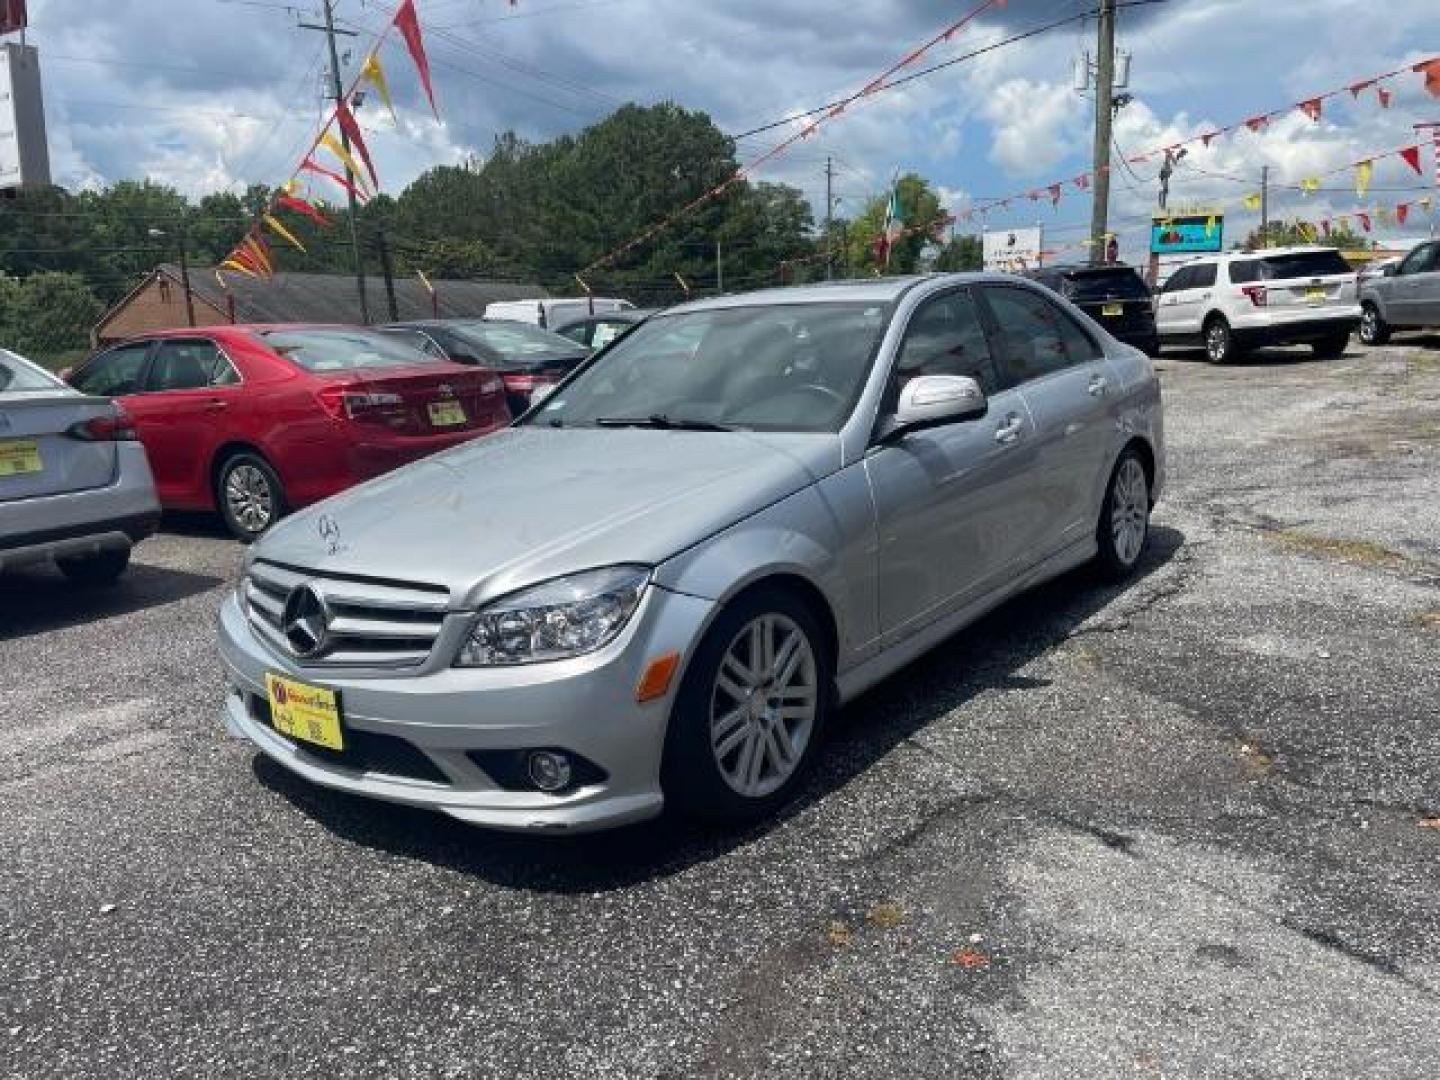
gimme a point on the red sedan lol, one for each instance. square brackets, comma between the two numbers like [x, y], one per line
[254, 420]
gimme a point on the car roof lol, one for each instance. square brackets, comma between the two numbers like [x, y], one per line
[853, 290]
[1261, 253]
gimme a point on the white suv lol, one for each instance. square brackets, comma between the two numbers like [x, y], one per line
[1244, 299]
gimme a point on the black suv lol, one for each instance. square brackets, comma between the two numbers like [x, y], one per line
[1116, 297]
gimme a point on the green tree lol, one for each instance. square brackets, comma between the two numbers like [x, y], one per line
[920, 214]
[961, 253]
[1298, 232]
[47, 316]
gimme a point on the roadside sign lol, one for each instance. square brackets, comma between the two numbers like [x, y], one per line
[1011, 250]
[1178, 235]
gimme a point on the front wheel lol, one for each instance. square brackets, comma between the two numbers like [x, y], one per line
[751, 710]
[102, 568]
[249, 495]
[1373, 329]
[1124, 527]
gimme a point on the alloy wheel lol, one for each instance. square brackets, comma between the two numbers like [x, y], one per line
[1369, 325]
[763, 705]
[1129, 510]
[1217, 342]
[249, 498]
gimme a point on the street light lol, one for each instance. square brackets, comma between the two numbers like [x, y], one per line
[157, 234]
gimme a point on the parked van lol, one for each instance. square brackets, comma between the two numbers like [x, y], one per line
[550, 312]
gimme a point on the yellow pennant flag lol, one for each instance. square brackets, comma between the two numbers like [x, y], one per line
[376, 74]
[1425, 203]
[239, 267]
[1310, 185]
[1252, 202]
[331, 143]
[280, 230]
[1363, 172]
[291, 186]
[425, 281]
[1210, 224]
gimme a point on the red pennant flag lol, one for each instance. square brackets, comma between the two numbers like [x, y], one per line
[1312, 108]
[352, 132]
[1402, 212]
[1082, 181]
[1357, 88]
[243, 256]
[1209, 135]
[1255, 123]
[1054, 194]
[1431, 70]
[1411, 154]
[309, 165]
[408, 23]
[1364, 220]
[300, 206]
[1384, 96]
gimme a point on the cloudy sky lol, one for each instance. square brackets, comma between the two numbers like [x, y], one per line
[212, 94]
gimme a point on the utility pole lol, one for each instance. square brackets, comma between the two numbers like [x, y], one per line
[1264, 206]
[719, 269]
[337, 93]
[1104, 118]
[185, 273]
[829, 218]
[388, 270]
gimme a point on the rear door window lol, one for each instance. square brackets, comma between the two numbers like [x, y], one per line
[1031, 341]
[1244, 271]
[1202, 276]
[189, 365]
[113, 373]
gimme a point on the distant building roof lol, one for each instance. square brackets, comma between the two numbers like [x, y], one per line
[289, 297]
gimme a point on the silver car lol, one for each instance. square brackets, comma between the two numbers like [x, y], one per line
[657, 587]
[75, 486]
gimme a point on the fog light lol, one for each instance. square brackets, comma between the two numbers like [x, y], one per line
[548, 770]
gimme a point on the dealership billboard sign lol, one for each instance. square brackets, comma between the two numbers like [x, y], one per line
[1011, 250]
[1189, 234]
[24, 156]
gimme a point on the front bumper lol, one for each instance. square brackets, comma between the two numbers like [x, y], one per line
[585, 706]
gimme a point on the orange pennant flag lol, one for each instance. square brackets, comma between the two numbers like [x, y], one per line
[1431, 70]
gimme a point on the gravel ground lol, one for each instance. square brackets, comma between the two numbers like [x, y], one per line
[1181, 828]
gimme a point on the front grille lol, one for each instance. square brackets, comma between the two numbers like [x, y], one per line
[371, 624]
[365, 751]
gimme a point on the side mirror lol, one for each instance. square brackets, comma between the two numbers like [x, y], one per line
[64, 374]
[931, 400]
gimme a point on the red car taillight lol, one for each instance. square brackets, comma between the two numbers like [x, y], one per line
[343, 403]
[117, 427]
[1256, 293]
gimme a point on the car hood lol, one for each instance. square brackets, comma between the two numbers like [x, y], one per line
[528, 504]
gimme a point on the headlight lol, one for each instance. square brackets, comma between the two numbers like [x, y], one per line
[555, 620]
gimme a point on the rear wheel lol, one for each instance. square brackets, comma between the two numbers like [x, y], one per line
[1124, 527]
[102, 568]
[751, 710]
[1219, 341]
[1332, 347]
[249, 495]
[1373, 329]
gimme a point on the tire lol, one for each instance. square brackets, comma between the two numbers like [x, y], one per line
[1332, 347]
[102, 568]
[715, 733]
[1219, 341]
[1373, 329]
[1123, 531]
[249, 495]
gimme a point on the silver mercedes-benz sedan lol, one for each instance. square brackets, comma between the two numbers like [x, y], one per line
[656, 588]
[75, 486]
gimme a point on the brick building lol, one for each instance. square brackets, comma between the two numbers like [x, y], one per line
[158, 302]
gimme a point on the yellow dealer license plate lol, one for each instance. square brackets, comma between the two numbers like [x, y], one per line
[1315, 296]
[446, 413]
[1111, 310]
[19, 456]
[308, 713]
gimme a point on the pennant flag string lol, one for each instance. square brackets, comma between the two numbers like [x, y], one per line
[357, 141]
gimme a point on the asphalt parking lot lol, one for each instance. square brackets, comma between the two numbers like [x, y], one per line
[1187, 827]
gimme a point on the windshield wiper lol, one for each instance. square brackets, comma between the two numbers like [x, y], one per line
[663, 422]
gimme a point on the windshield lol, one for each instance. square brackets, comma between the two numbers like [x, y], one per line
[19, 375]
[1106, 285]
[790, 367]
[508, 342]
[342, 350]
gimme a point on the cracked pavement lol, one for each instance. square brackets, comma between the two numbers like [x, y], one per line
[1176, 828]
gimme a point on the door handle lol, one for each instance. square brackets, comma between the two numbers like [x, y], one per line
[215, 405]
[1009, 431]
[1097, 385]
